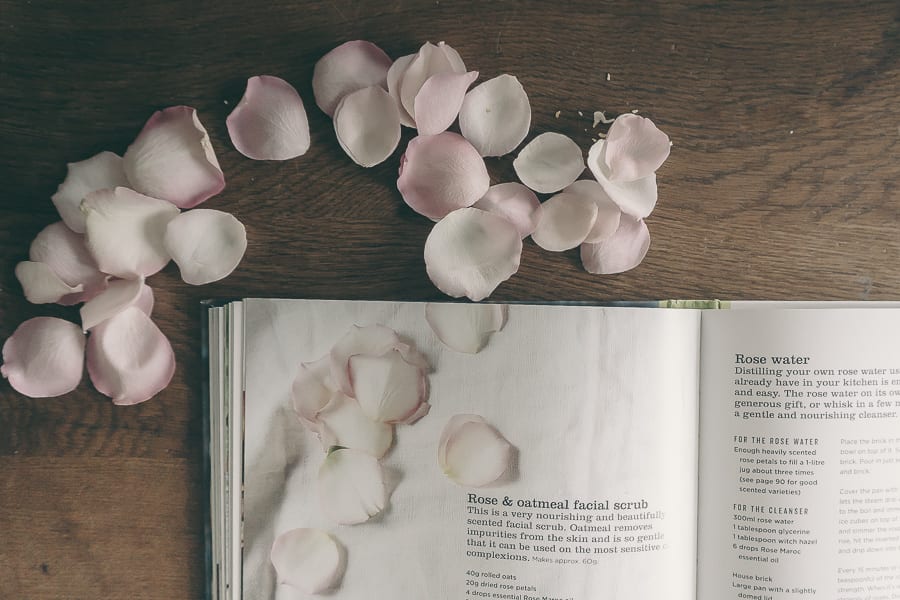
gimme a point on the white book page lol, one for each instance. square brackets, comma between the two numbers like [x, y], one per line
[601, 404]
[799, 451]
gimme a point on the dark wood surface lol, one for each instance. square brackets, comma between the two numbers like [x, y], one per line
[782, 184]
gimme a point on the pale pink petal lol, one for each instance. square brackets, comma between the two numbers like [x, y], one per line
[65, 252]
[367, 124]
[344, 423]
[453, 57]
[312, 390]
[128, 357]
[496, 116]
[145, 300]
[99, 172]
[269, 123]
[308, 559]
[349, 67]
[351, 486]
[549, 162]
[173, 159]
[430, 60]
[623, 251]
[120, 294]
[388, 388]
[568, 219]
[635, 198]
[394, 78]
[473, 453]
[608, 212]
[635, 148]
[371, 340]
[207, 245]
[470, 252]
[465, 327]
[125, 231]
[515, 203]
[440, 173]
[41, 284]
[44, 357]
[439, 100]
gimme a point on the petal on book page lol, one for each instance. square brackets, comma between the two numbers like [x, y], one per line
[389, 389]
[372, 340]
[312, 389]
[310, 560]
[473, 453]
[343, 423]
[351, 486]
[465, 327]
[44, 357]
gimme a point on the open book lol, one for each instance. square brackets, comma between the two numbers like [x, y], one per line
[658, 453]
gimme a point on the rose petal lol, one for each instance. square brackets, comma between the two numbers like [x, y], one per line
[635, 148]
[269, 123]
[128, 357]
[44, 357]
[120, 294]
[367, 124]
[342, 422]
[308, 559]
[515, 203]
[568, 219]
[635, 198]
[608, 213]
[145, 300]
[388, 388]
[173, 159]
[207, 245]
[41, 284]
[496, 116]
[430, 60]
[351, 486]
[349, 67]
[440, 173]
[312, 390]
[65, 252]
[470, 252]
[125, 231]
[394, 78]
[549, 162]
[623, 251]
[465, 327]
[473, 453]
[439, 100]
[99, 172]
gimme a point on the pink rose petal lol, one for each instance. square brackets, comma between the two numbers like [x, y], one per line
[269, 123]
[439, 100]
[388, 389]
[367, 124]
[44, 357]
[207, 245]
[549, 162]
[65, 252]
[312, 390]
[636, 198]
[473, 453]
[635, 148]
[173, 159]
[465, 327]
[349, 67]
[441, 173]
[128, 357]
[430, 60]
[99, 172]
[342, 422]
[470, 252]
[623, 251]
[515, 203]
[120, 294]
[394, 78]
[308, 559]
[41, 284]
[496, 116]
[608, 213]
[351, 486]
[568, 219]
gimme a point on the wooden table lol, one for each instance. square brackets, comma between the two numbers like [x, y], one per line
[782, 184]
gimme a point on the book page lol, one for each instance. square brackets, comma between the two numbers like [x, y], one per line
[800, 455]
[600, 405]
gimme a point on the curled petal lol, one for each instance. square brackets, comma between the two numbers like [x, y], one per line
[567, 221]
[308, 559]
[312, 390]
[388, 389]
[120, 294]
[608, 212]
[41, 284]
[465, 327]
[622, 251]
[635, 148]
[636, 198]
[349, 67]
[65, 252]
[367, 124]
[441, 173]
[173, 159]
[342, 422]
[372, 340]
[99, 172]
[429, 61]
[470, 252]
[44, 357]
[549, 162]
[394, 77]
[439, 100]
[128, 357]
[496, 116]
[269, 123]
[473, 453]
[351, 486]
[515, 203]
[207, 245]
[125, 231]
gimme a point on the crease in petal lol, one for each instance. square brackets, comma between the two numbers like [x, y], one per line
[269, 123]
[636, 198]
[549, 162]
[439, 100]
[470, 252]
[101, 171]
[310, 560]
[608, 212]
[635, 148]
[430, 60]
[312, 390]
[66, 253]
[351, 66]
[496, 116]
[44, 357]
[465, 327]
[387, 388]
[371, 340]
[206, 244]
[348, 426]
[173, 159]
[128, 357]
[351, 486]
[394, 79]
[367, 125]
[622, 251]
[41, 284]
[568, 219]
[473, 453]
[514, 202]
[120, 294]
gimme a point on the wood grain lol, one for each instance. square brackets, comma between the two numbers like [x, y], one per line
[782, 184]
